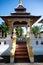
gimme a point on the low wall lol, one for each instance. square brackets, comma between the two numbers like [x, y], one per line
[5, 46]
[37, 47]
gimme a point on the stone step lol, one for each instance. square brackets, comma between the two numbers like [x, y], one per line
[21, 53]
[21, 49]
[21, 57]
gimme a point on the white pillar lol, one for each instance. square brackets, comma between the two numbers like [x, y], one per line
[12, 60]
[27, 32]
[31, 59]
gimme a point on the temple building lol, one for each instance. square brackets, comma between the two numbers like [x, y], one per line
[20, 50]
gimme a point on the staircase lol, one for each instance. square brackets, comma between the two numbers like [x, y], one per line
[21, 54]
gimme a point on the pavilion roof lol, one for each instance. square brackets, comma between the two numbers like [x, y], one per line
[20, 12]
[33, 19]
[20, 8]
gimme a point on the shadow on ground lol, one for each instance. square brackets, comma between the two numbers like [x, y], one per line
[6, 59]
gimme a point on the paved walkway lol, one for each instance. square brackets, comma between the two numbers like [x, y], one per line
[21, 64]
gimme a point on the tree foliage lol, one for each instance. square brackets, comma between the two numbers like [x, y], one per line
[35, 29]
[4, 28]
[19, 31]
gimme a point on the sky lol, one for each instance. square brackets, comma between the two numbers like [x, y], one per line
[35, 7]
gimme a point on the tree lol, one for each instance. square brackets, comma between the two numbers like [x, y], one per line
[4, 28]
[35, 30]
[19, 31]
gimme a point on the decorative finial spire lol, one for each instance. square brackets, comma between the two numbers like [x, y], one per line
[20, 2]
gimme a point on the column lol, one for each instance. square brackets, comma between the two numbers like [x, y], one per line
[13, 47]
[27, 32]
[27, 39]
[27, 35]
[10, 27]
[31, 53]
[30, 28]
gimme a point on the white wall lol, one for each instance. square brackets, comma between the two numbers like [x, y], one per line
[5, 48]
[37, 49]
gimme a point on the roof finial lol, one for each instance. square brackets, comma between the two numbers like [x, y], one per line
[20, 2]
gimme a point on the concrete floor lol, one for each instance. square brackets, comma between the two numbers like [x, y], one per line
[21, 63]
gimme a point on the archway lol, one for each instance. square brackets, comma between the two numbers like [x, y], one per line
[20, 43]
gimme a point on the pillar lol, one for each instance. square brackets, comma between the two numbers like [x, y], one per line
[30, 28]
[10, 27]
[27, 39]
[13, 47]
[31, 53]
[27, 35]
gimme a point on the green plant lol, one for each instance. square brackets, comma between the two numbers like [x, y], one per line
[35, 29]
[4, 29]
[19, 31]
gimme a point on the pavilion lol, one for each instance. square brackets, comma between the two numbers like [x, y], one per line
[20, 18]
